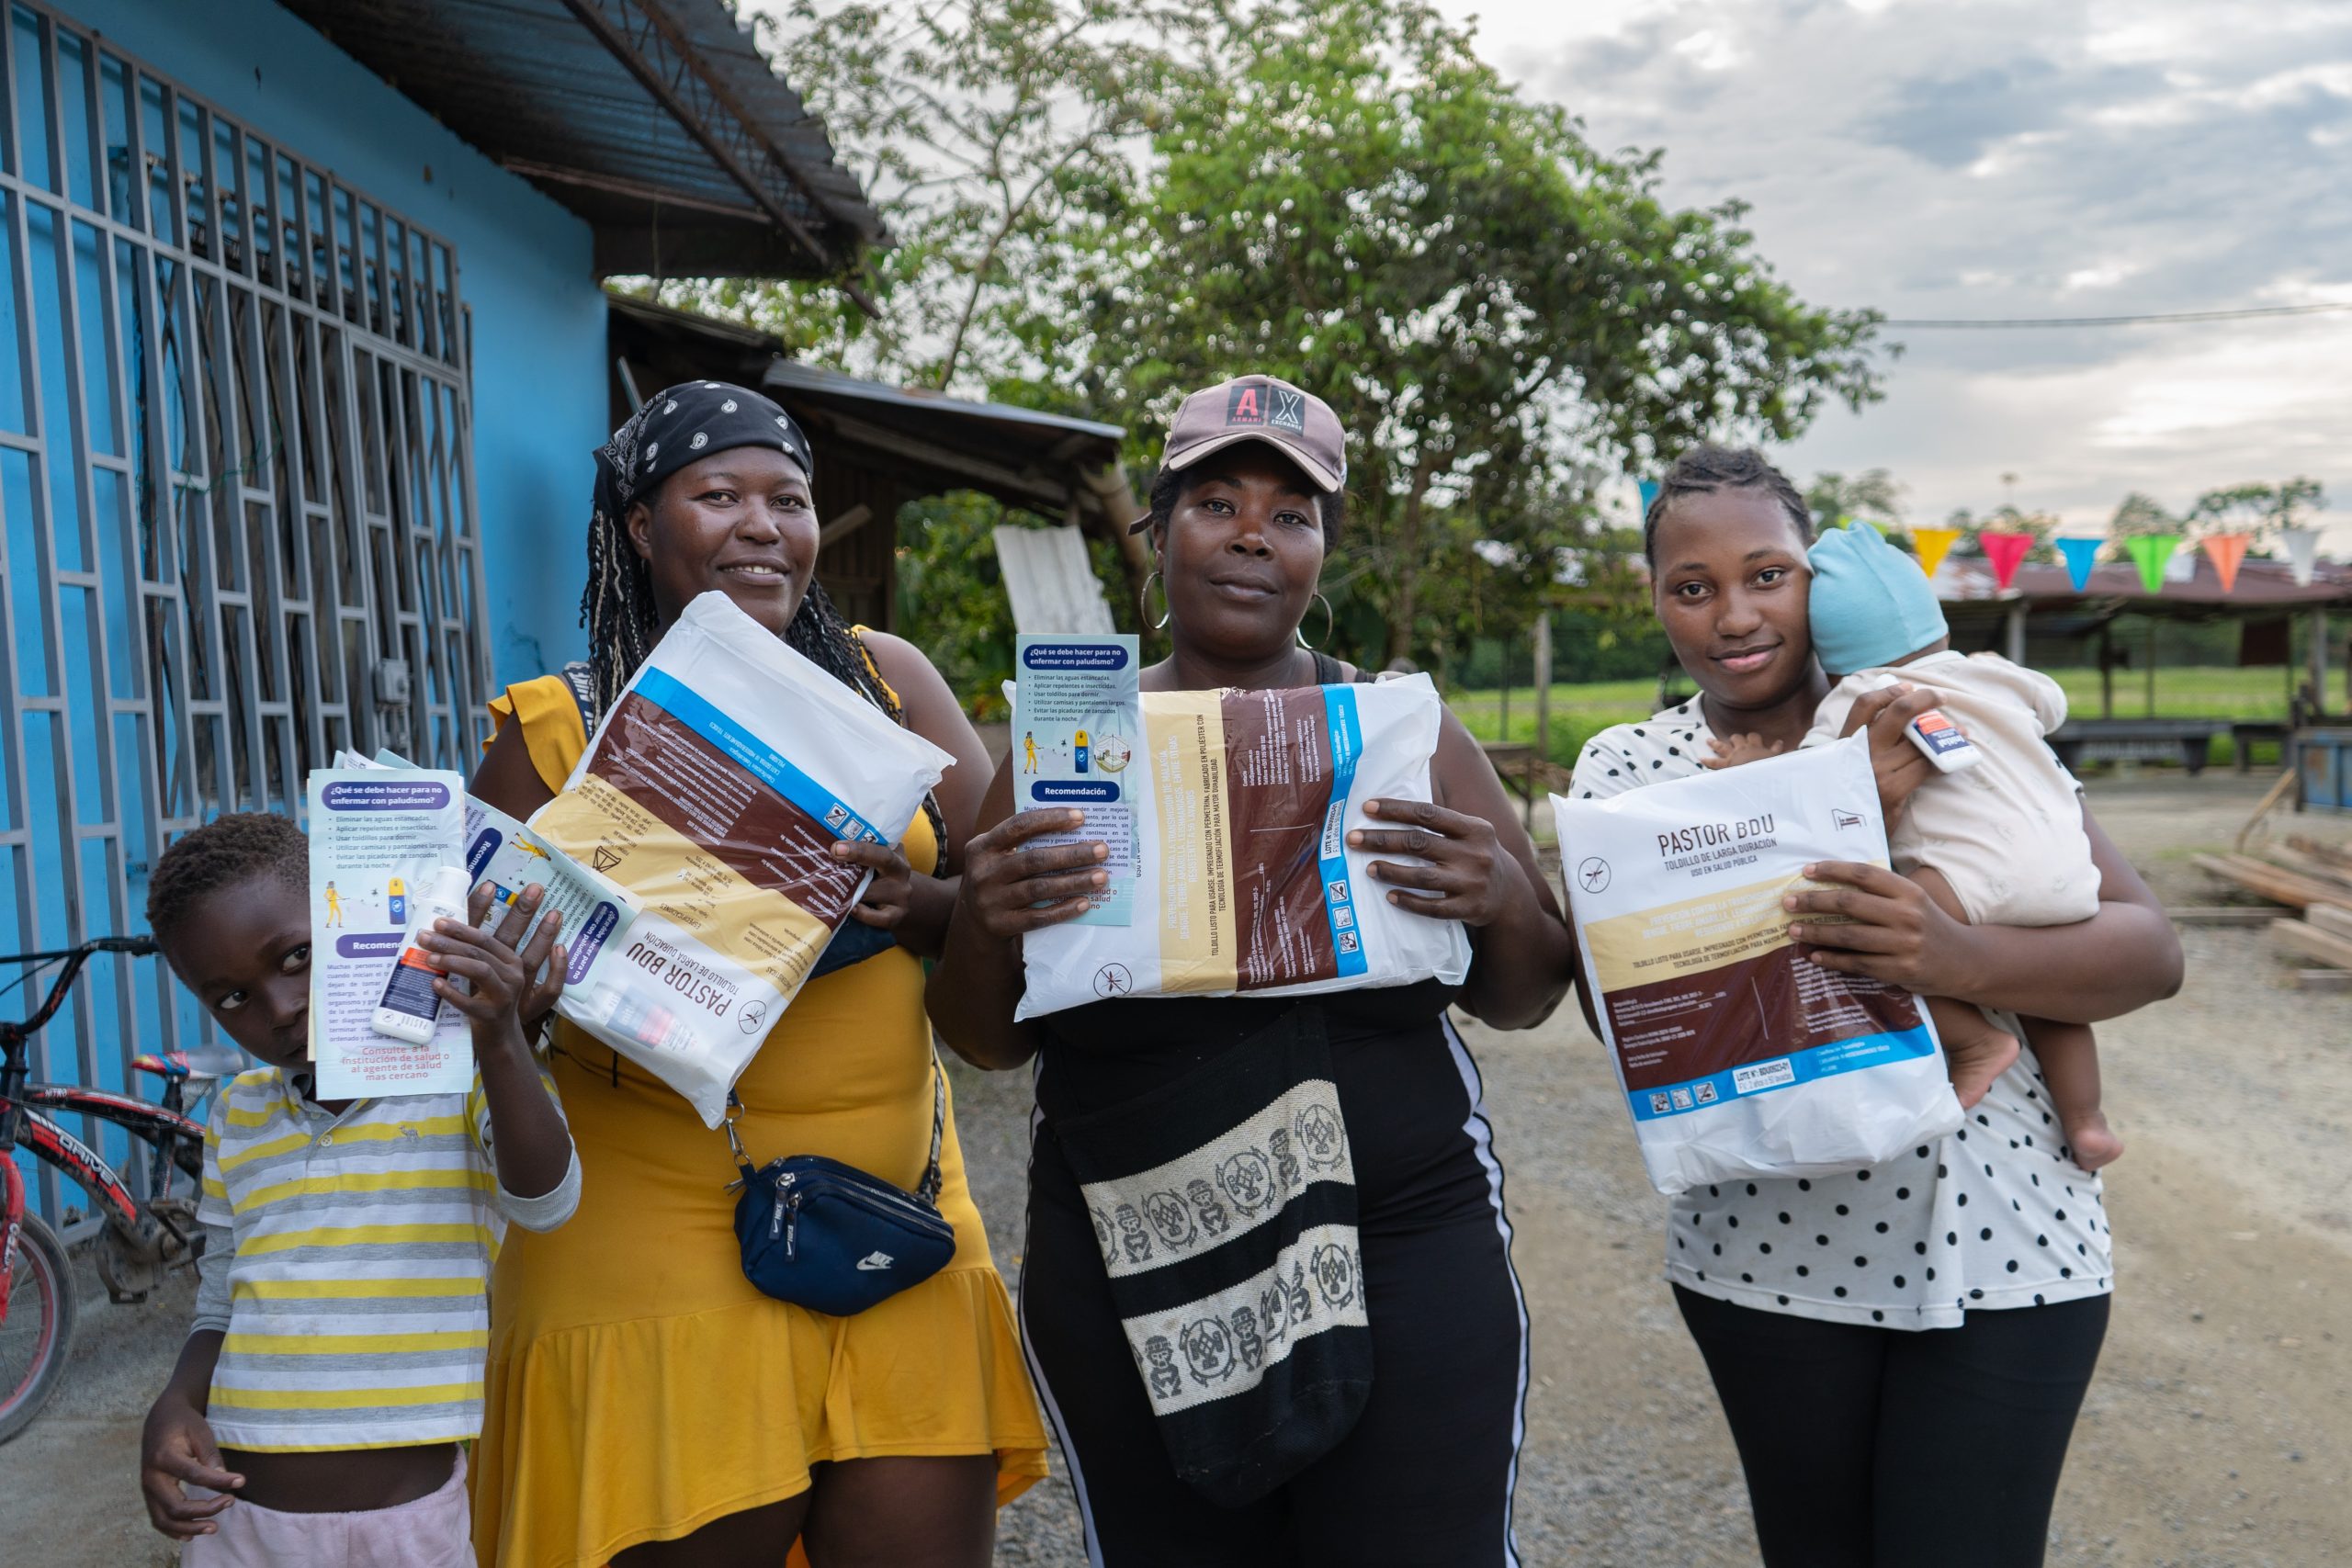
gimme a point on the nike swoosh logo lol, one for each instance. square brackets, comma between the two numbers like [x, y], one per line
[873, 1261]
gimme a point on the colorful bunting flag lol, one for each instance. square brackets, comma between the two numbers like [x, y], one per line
[2081, 555]
[1932, 545]
[2225, 551]
[1650, 489]
[2004, 551]
[2303, 552]
[2148, 553]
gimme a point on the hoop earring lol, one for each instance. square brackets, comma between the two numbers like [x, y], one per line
[1143, 602]
[1299, 631]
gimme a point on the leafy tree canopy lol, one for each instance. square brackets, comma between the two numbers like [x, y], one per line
[1345, 196]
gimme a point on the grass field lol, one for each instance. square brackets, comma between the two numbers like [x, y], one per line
[1579, 713]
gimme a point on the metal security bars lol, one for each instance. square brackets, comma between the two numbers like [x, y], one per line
[237, 520]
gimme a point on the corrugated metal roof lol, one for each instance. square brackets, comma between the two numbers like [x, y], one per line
[1050, 583]
[2263, 588]
[658, 121]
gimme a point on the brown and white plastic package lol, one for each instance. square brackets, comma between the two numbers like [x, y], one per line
[712, 795]
[1241, 803]
[1738, 1057]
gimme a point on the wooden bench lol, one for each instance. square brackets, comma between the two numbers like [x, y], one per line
[2245, 737]
[2185, 740]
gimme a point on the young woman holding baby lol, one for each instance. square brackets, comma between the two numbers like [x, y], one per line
[1901, 1351]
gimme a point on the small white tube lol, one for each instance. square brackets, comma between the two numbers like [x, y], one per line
[1941, 740]
[410, 1007]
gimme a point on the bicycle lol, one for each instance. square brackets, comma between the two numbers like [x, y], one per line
[141, 1239]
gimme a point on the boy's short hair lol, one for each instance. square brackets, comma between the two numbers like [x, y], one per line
[226, 851]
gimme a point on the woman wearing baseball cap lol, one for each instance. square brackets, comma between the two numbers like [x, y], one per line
[1231, 1443]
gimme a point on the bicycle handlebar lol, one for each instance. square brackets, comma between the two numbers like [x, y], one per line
[14, 1035]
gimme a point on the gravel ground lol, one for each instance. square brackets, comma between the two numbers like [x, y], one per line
[2219, 1432]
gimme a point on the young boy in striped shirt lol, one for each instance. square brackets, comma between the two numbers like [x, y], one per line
[335, 1364]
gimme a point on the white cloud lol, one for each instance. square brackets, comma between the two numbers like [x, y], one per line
[2000, 158]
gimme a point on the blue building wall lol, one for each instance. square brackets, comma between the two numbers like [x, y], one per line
[539, 408]
[540, 371]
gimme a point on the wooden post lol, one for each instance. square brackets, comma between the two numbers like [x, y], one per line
[1544, 685]
[1503, 731]
[2107, 669]
[2152, 666]
[2016, 630]
[2318, 659]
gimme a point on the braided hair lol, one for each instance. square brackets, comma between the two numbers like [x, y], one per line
[1704, 470]
[619, 608]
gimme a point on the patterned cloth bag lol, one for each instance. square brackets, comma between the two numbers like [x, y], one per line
[1225, 1206]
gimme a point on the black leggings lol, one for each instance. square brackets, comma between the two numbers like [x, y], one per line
[1880, 1448]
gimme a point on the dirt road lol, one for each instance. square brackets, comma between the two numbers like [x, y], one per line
[2218, 1435]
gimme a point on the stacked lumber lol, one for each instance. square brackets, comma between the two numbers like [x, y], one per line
[2310, 876]
[2299, 889]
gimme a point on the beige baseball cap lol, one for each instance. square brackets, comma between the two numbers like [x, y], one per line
[1295, 422]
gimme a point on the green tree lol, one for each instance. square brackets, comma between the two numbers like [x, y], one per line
[1344, 195]
[2257, 508]
[1872, 494]
[2139, 514]
[968, 123]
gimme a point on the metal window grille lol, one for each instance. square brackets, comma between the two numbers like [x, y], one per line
[237, 520]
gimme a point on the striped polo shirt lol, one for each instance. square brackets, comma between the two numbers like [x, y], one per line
[346, 1262]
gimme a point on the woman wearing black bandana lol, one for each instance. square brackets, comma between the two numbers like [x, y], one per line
[646, 1405]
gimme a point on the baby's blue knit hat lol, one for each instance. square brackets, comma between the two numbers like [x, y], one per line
[1871, 603]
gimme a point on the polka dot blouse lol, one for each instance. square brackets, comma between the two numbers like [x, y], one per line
[1996, 1215]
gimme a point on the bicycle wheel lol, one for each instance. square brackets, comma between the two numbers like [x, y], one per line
[38, 1334]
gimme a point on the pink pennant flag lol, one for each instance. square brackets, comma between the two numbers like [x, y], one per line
[2303, 552]
[2225, 551]
[2148, 553]
[1933, 545]
[2004, 551]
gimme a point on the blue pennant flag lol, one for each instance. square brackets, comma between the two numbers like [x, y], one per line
[2081, 555]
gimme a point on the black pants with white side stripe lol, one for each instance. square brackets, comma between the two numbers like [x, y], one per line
[1425, 1477]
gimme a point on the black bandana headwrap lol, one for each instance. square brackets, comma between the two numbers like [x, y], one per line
[677, 426]
[684, 424]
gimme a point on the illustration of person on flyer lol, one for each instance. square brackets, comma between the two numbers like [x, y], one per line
[1029, 744]
[335, 906]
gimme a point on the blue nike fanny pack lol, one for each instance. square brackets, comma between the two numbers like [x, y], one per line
[831, 1237]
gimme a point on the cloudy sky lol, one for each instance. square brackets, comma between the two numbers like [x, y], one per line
[1983, 158]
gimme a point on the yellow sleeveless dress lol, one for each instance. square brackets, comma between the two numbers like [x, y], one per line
[637, 1386]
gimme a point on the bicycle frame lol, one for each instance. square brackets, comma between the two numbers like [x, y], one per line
[22, 1120]
[12, 1226]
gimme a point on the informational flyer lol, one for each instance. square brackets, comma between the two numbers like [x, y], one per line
[597, 915]
[377, 836]
[1076, 730]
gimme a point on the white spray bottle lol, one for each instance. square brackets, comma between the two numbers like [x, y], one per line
[410, 1007]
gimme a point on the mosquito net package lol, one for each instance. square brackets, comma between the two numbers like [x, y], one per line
[1738, 1057]
[1240, 803]
[711, 795]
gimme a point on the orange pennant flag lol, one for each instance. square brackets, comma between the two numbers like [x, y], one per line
[2227, 550]
[1933, 544]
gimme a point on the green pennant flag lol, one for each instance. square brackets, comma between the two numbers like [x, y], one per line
[2148, 553]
